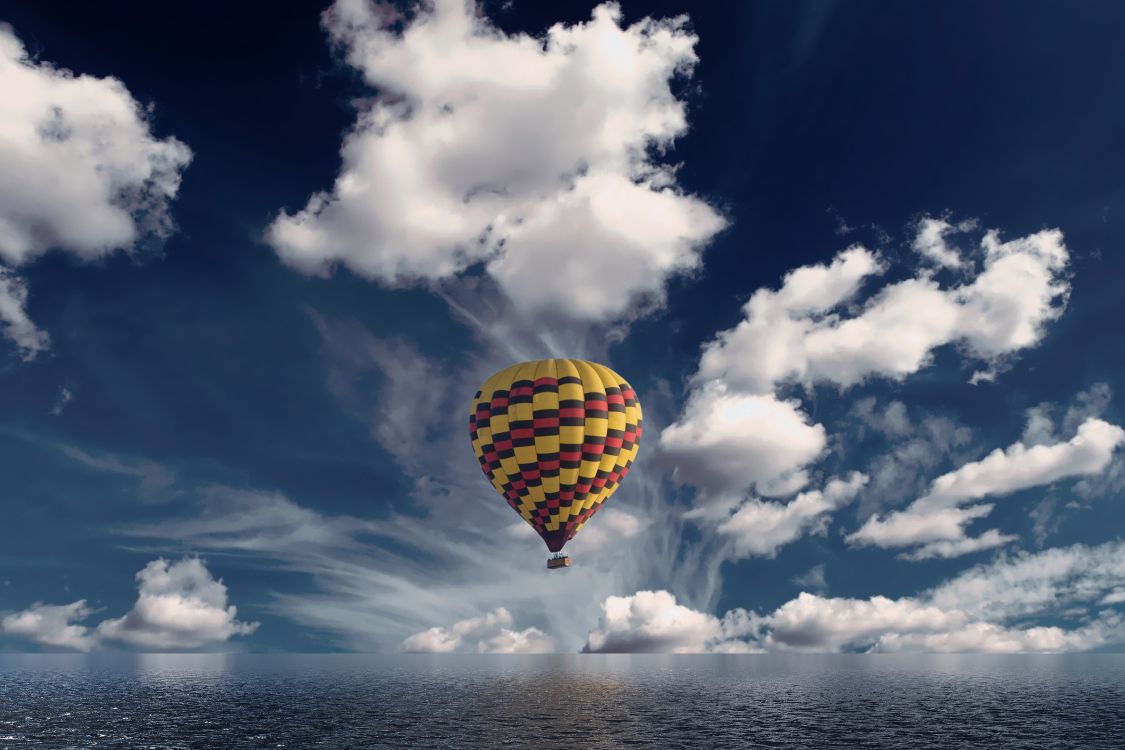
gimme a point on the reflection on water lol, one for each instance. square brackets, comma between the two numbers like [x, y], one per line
[579, 701]
[183, 666]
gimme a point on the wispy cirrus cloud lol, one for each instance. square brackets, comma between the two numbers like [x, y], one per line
[375, 582]
[910, 445]
[451, 552]
[18, 327]
[154, 478]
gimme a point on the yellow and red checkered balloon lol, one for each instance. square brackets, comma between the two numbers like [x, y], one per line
[555, 437]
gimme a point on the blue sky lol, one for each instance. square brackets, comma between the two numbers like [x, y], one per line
[859, 260]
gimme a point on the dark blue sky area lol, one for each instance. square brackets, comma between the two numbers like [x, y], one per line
[813, 125]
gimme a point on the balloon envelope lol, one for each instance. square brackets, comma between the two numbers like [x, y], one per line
[555, 437]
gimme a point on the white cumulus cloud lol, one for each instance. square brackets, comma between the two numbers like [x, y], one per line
[179, 606]
[491, 633]
[55, 625]
[538, 157]
[988, 609]
[930, 241]
[881, 624]
[762, 527]
[79, 170]
[736, 433]
[936, 522]
[801, 333]
[652, 621]
[819, 623]
[727, 441]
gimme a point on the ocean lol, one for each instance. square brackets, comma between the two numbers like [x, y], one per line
[565, 701]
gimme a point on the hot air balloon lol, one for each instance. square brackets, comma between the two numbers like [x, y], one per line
[555, 437]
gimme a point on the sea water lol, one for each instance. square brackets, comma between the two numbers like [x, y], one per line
[571, 701]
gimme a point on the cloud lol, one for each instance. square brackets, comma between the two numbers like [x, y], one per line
[984, 610]
[488, 634]
[52, 625]
[761, 528]
[893, 421]
[936, 522]
[154, 477]
[1019, 467]
[737, 435]
[800, 333]
[614, 526]
[1040, 428]
[727, 441]
[179, 606]
[767, 346]
[983, 637]
[816, 623]
[448, 552]
[964, 545]
[18, 327]
[1025, 585]
[65, 397]
[378, 581]
[879, 624]
[517, 153]
[353, 562]
[1046, 522]
[234, 519]
[930, 242]
[652, 621]
[736, 432]
[412, 401]
[1091, 402]
[914, 449]
[79, 170]
[813, 579]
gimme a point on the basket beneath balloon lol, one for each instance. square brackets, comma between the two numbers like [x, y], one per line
[561, 561]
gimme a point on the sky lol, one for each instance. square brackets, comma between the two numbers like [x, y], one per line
[860, 261]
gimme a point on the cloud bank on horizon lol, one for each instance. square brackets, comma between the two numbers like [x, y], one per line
[968, 613]
[179, 606]
[502, 171]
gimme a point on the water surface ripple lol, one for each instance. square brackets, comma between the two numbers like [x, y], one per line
[578, 701]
